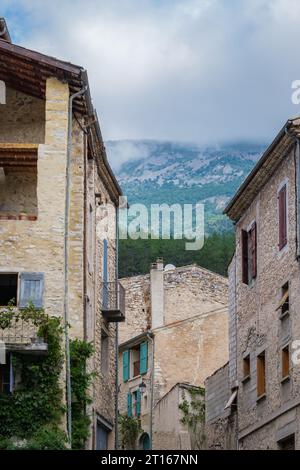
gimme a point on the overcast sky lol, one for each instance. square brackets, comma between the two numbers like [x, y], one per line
[186, 70]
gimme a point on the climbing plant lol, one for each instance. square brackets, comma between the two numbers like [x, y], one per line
[130, 428]
[193, 415]
[31, 416]
[81, 379]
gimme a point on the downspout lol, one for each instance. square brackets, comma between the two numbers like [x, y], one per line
[117, 340]
[66, 260]
[150, 338]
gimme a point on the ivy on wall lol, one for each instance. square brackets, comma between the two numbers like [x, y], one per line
[32, 417]
[193, 411]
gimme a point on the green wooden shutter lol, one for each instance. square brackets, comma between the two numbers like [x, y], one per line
[143, 358]
[126, 367]
[138, 403]
[31, 289]
[129, 405]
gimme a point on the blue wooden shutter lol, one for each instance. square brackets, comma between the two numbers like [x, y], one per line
[31, 289]
[129, 405]
[126, 368]
[105, 274]
[143, 358]
[138, 403]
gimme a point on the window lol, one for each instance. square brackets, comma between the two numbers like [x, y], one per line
[105, 275]
[282, 210]
[285, 362]
[137, 403]
[249, 254]
[261, 374]
[8, 288]
[288, 443]
[246, 367]
[135, 356]
[104, 353]
[284, 305]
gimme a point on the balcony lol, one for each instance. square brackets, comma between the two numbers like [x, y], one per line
[22, 337]
[113, 302]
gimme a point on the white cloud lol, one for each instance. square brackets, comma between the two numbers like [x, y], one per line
[198, 70]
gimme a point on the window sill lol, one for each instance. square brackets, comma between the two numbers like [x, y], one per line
[261, 398]
[285, 379]
[246, 379]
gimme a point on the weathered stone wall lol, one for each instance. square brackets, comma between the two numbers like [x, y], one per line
[38, 246]
[138, 307]
[18, 192]
[22, 118]
[258, 324]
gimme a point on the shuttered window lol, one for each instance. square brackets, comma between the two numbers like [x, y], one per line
[143, 358]
[253, 237]
[126, 366]
[129, 405]
[261, 374]
[245, 259]
[138, 403]
[282, 204]
[31, 289]
[285, 362]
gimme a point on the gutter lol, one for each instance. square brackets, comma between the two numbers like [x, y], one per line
[66, 262]
[150, 338]
[298, 195]
[117, 341]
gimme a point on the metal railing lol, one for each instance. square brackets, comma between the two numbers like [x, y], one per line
[113, 297]
[20, 332]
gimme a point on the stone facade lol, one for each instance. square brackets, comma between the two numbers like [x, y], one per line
[38, 245]
[184, 312]
[264, 325]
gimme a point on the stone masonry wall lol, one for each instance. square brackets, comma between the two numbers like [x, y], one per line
[23, 119]
[258, 324]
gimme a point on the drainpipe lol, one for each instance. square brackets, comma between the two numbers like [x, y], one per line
[150, 338]
[117, 340]
[66, 256]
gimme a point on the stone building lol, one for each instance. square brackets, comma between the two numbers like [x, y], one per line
[54, 179]
[264, 275]
[175, 335]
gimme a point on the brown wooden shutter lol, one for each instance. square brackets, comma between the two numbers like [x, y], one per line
[261, 374]
[253, 234]
[245, 261]
[282, 218]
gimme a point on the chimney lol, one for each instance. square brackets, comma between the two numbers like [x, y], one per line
[157, 293]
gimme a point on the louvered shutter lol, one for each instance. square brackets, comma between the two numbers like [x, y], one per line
[143, 358]
[245, 261]
[282, 218]
[129, 405]
[253, 234]
[126, 369]
[31, 289]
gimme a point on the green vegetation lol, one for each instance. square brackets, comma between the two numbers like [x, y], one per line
[31, 417]
[130, 429]
[80, 352]
[137, 255]
[193, 411]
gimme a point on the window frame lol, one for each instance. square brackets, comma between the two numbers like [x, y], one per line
[285, 363]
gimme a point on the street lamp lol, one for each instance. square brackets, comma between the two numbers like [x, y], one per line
[142, 388]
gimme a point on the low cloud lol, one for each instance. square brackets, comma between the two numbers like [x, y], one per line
[191, 70]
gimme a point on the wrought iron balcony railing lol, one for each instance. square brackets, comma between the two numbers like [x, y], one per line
[113, 301]
[22, 336]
